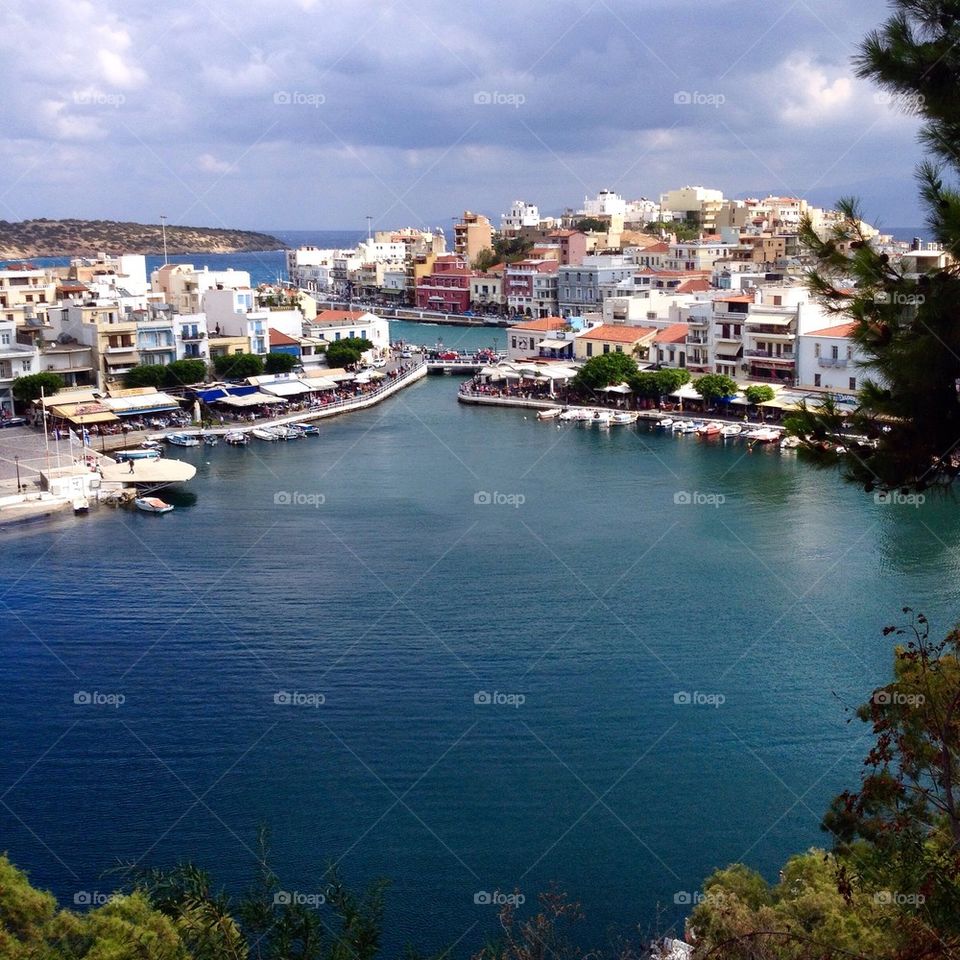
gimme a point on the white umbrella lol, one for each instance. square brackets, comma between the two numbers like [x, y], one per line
[196, 410]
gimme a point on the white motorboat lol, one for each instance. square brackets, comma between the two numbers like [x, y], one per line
[122, 456]
[764, 435]
[685, 426]
[575, 413]
[624, 416]
[601, 418]
[666, 423]
[152, 505]
[548, 414]
[789, 443]
[183, 440]
[264, 433]
[731, 430]
[236, 438]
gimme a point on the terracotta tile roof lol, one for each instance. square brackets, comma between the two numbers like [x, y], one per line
[331, 316]
[675, 333]
[736, 299]
[280, 339]
[696, 285]
[542, 324]
[840, 330]
[618, 333]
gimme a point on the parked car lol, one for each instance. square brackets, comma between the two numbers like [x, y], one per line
[13, 422]
[406, 355]
[379, 362]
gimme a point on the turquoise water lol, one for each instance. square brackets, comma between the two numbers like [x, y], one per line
[358, 565]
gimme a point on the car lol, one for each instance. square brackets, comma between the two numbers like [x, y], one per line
[13, 422]
[406, 355]
[448, 355]
[379, 362]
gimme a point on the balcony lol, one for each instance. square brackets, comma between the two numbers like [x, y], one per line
[187, 335]
[127, 348]
[770, 357]
[830, 362]
[696, 339]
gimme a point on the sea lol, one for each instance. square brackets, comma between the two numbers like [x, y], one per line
[461, 649]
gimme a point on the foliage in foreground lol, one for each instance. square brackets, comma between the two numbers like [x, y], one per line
[29, 386]
[906, 325]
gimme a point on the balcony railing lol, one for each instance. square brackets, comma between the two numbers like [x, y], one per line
[198, 335]
[128, 348]
[770, 355]
[832, 362]
[691, 339]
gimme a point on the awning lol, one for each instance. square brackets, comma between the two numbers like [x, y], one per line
[320, 383]
[686, 392]
[755, 319]
[286, 388]
[80, 414]
[250, 400]
[617, 388]
[555, 344]
[142, 403]
[68, 397]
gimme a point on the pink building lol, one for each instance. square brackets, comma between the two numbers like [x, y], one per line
[573, 246]
[447, 287]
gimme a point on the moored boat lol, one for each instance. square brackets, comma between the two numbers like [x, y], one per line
[236, 438]
[709, 429]
[576, 413]
[548, 414]
[731, 430]
[309, 429]
[264, 433]
[666, 423]
[601, 418]
[764, 435]
[789, 443]
[152, 505]
[624, 416]
[183, 440]
[122, 456]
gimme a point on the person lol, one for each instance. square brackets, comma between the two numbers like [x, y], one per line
[131, 467]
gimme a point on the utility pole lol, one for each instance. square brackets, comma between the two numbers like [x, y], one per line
[163, 228]
[369, 227]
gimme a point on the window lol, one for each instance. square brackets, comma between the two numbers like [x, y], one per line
[619, 349]
[589, 349]
[835, 352]
[336, 336]
[606, 348]
[5, 339]
[853, 383]
[816, 350]
[849, 352]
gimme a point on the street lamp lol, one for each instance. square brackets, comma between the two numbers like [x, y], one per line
[163, 228]
[16, 461]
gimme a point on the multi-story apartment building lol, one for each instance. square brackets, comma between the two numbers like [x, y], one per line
[111, 333]
[486, 290]
[184, 287]
[447, 287]
[695, 204]
[530, 287]
[829, 359]
[27, 293]
[471, 234]
[522, 214]
[311, 268]
[614, 338]
[578, 287]
[16, 360]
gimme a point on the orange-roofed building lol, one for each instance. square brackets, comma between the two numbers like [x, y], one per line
[614, 338]
[829, 359]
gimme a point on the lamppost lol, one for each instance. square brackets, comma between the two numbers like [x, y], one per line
[16, 461]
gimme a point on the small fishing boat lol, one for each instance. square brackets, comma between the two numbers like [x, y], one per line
[236, 438]
[624, 416]
[183, 440]
[601, 418]
[710, 429]
[764, 435]
[789, 443]
[548, 414]
[210, 440]
[264, 433]
[152, 505]
[666, 423]
[288, 432]
[81, 505]
[575, 413]
[309, 429]
[685, 426]
[150, 445]
[731, 430]
[122, 456]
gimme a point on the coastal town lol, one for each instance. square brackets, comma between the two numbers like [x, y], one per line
[101, 354]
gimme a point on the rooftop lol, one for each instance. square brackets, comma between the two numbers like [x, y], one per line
[542, 324]
[840, 330]
[618, 333]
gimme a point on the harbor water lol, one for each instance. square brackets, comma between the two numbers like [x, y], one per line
[461, 649]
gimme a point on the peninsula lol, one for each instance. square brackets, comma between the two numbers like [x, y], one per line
[85, 238]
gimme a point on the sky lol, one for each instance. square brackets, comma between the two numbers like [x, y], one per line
[313, 114]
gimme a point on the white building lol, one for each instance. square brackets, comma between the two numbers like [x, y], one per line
[522, 214]
[311, 268]
[641, 211]
[334, 325]
[607, 203]
[16, 360]
[183, 286]
[828, 359]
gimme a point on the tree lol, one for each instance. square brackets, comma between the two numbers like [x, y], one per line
[185, 372]
[145, 375]
[682, 231]
[279, 362]
[591, 225]
[604, 371]
[346, 352]
[715, 386]
[658, 383]
[510, 249]
[904, 325]
[238, 366]
[759, 393]
[30, 386]
[485, 259]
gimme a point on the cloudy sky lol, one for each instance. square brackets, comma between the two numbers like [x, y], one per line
[305, 114]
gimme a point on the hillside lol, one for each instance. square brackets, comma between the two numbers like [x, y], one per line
[87, 238]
